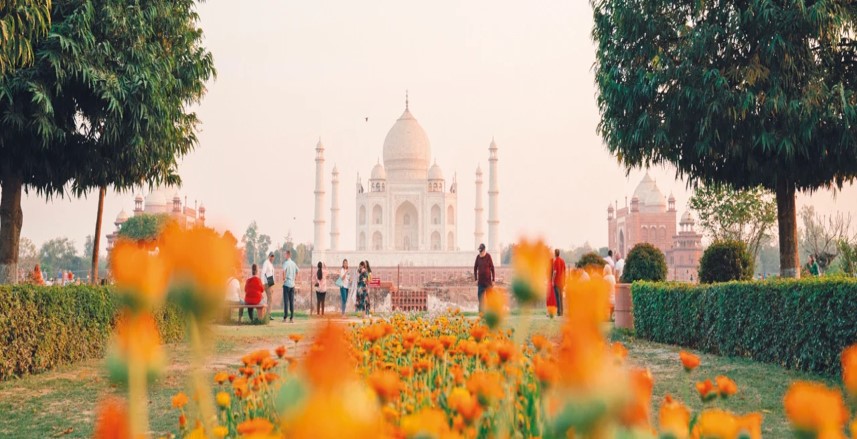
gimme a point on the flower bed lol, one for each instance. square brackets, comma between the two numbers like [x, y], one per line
[800, 325]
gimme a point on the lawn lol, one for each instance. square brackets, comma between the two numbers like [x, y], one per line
[62, 403]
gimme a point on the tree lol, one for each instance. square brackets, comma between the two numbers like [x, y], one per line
[59, 254]
[21, 23]
[822, 234]
[263, 243]
[105, 104]
[736, 92]
[848, 257]
[726, 214]
[768, 260]
[143, 227]
[249, 240]
[28, 256]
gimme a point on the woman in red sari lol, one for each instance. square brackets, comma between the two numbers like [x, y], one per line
[551, 297]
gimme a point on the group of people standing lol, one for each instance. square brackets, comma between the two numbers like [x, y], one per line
[346, 282]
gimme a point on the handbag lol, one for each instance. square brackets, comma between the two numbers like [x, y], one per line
[339, 282]
[269, 280]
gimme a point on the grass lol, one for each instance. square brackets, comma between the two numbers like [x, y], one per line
[61, 403]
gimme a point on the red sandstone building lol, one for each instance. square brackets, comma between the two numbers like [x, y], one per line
[652, 218]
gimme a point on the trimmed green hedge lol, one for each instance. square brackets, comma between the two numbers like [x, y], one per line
[45, 327]
[797, 324]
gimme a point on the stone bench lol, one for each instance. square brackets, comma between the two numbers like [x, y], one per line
[229, 306]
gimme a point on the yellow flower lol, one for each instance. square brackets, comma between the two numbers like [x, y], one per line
[849, 369]
[429, 422]
[751, 425]
[220, 432]
[223, 399]
[674, 418]
[813, 407]
[716, 424]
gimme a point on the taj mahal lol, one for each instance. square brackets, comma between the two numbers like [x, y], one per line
[406, 212]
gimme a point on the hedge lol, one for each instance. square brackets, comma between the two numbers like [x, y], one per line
[45, 327]
[797, 324]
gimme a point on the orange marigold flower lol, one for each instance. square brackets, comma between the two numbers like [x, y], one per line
[531, 264]
[637, 411]
[422, 365]
[180, 247]
[487, 386]
[179, 400]
[296, 337]
[447, 340]
[112, 420]
[545, 370]
[259, 426]
[182, 421]
[239, 386]
[465, 404]
[221, 377]
[704, 389]
[505, 351]
[725, 386]
[478, 332]
[138, 339]
[329, 362]
[386, 384]
[849, 369]
[270, 377]
[223, 399]
[815, 408]
[406, 371]
[551, 311]
[220, 432]
[619, 351]
[496, 306]
[428, 422]
[688, 361]
[428, 344]
[716, 423]
[540, 342]
[280, 351]
[674, 418]
[750, 426]
[139, 272]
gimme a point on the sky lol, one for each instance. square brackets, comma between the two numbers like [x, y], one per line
[290, 73]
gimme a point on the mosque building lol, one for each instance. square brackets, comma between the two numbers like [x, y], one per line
[160, 201]
[652, 218]
[407, 211]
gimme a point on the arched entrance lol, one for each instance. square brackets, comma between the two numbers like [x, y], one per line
[407, 225]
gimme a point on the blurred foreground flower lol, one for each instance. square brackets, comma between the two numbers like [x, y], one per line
[496, 306]
[815, 409]
[531, 262]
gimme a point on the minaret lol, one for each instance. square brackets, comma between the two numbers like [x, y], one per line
[479, 230]
[493, 203]
[318, 236]
[334, 210]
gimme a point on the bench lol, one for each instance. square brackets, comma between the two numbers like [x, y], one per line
[235, 305]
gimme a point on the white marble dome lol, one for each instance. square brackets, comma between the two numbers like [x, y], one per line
[687, 218]
[407, 150]
[122, 217]
[650, 197]
[378, 172]
[156, 198]
[435, 173]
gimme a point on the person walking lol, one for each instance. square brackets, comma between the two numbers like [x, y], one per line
[290, 272]
[558, 280]
[609, 259]
[619, 267]
[483, 273]
[320, 288]
[268, 280]
[343, 282]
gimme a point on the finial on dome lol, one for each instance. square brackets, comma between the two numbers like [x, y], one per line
[406, 99]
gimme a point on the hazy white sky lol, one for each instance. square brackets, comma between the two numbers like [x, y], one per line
[290, 72]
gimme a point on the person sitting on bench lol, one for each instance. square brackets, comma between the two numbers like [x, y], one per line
[254, 294]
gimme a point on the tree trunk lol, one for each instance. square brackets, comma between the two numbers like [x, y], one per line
[787, 222]
[11, 219]
[96, 240]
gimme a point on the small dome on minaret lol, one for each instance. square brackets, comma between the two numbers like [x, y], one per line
[378, 172]
[435, 173]
[122, 217]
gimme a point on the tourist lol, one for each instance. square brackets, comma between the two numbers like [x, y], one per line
[290, 271]
[233, 289]
[483, 273]
[608, 276]
[268, 277]
[609, 259]
[343, 282]
[619, 267]
[320, 287]
[254, 291]
[558, 280]
[36, 276]
[812, 266]
[362, 290]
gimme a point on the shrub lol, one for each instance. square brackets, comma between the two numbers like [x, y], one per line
[724, 261]
[799, 324]
[590, 259]
[44, 327]
[644, 262]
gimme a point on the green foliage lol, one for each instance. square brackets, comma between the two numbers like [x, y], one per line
[644, 262]
[143, 227]
[724, 261]
[591, 259]
[744, 93]
[798, 324]
[45, 327]
[22, 22]
[726, 214]
[848, 258]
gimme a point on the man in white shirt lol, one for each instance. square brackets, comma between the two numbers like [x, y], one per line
[290, 272]
[268, 278]
[609, 259]
[620, 266]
